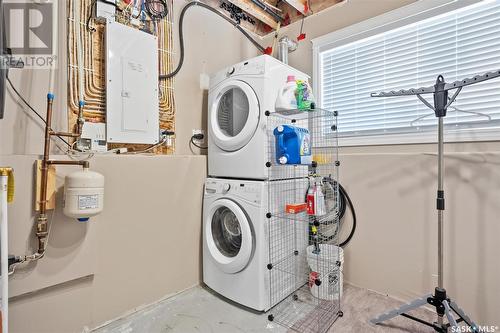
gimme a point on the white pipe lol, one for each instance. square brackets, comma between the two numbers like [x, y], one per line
[79, 51]
[55, 32]
[4, 254]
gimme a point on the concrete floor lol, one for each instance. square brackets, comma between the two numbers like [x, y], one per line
[200, 310]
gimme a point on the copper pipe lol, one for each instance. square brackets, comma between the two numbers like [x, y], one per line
[46, 152]
[71, 135]
[84, 164]
[80, 120]
[41, 228]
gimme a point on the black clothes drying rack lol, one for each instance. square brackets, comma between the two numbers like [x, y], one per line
[440, 300]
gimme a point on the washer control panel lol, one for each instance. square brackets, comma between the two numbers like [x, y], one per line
[244, 190]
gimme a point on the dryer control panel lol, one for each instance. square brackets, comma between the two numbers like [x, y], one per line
[252, 67]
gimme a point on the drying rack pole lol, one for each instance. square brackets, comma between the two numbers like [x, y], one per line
[439, 300]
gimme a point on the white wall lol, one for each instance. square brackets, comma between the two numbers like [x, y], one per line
[394, 188]
[132, 260]
[146, 244]
[212, 44]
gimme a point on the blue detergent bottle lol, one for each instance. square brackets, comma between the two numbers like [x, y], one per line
[293, 145]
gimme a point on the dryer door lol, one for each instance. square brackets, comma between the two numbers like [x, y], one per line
[228, 236]
[234, 115]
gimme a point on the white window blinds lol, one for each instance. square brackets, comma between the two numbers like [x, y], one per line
[458, 44]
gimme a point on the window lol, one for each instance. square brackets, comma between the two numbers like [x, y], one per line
[409, 48]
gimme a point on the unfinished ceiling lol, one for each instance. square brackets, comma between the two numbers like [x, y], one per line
[265, 16]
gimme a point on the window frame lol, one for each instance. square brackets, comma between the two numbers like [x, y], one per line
[417, 11]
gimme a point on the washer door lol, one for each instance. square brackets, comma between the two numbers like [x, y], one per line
[234, 115]
[228, 235]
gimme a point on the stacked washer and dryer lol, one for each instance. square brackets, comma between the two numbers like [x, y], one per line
[235, 228]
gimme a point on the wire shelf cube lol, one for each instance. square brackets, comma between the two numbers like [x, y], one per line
[305, 262]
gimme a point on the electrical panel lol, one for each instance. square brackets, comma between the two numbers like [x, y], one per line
[132, 106]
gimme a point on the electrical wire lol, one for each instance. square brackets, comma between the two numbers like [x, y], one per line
[181, 35]
[148, 149]
[92, 12]
[30, 107]
[156, 9]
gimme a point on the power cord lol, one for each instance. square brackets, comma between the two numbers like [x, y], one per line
[198, 136]
[164, 137]
[181, 34]
[31, 108]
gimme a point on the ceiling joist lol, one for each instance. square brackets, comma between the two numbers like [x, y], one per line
[252, 8]
[265, 16]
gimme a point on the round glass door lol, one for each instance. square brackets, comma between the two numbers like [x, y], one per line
[228, 236]
[234, 115]
[226, 232]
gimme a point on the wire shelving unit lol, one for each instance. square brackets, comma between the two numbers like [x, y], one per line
[305, 262]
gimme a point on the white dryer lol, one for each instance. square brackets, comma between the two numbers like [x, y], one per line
[238, 99]
[236, 241]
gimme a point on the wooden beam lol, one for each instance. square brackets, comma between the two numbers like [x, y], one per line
[317, 6]
[254, 10]
[300, 5]
[271, 2]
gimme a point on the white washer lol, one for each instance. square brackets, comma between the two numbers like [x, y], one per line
[236, 240]
[238, 98]
[235, 250]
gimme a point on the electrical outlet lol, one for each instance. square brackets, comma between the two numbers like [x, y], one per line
[199, 131]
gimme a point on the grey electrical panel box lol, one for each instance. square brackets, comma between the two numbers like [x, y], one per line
[132, 104]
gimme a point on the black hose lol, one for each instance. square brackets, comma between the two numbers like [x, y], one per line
[344, 201]
[343, 194]
[181, 35]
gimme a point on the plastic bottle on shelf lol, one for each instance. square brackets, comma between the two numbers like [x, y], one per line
[319, 200]
[310, 198]
[315, 198]
[287, 99]
[304, 96]
[293, 145]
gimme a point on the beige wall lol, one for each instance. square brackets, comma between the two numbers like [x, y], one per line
[145, 247]
[393, 189]
[211, 45]
[146, 244]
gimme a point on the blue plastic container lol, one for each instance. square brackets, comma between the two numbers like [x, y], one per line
[293, 145]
